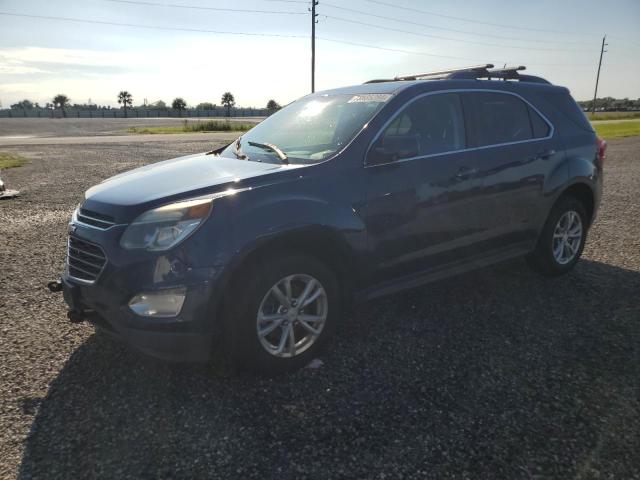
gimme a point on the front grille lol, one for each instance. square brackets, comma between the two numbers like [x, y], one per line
[95, 219]
[85, 260]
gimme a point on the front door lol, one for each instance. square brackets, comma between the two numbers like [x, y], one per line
[421, 189]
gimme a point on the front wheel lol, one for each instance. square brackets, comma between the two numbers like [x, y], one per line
[285, 315]
[562, 238]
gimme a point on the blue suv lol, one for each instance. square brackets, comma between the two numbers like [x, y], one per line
[257, 248]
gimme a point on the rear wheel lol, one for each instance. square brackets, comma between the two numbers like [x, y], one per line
[562, 238]
[285, 314]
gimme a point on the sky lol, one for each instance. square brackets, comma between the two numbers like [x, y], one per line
[263, 52]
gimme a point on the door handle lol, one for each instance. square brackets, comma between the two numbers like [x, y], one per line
[543, 154]
[465, 172]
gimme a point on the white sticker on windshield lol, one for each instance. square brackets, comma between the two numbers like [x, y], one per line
[370, 97]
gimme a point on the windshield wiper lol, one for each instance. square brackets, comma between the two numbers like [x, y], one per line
[237, 151]
[274, 148]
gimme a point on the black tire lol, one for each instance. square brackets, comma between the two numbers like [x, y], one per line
[542, 259]
[244, 347]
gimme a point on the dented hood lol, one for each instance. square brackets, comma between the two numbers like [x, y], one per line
[175, 177]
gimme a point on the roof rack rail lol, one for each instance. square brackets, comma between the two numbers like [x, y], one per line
[507, 72]
[510, 73]
[503, 73]
[441, 73]
[472, 73]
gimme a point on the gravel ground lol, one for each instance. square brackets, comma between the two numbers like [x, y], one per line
[495, 374]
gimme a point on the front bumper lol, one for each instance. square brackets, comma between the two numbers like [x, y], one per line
[104, 302]
[187, 337]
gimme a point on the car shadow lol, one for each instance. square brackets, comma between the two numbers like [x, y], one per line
[495, 374]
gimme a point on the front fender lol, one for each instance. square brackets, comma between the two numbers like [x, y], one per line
[262, 220]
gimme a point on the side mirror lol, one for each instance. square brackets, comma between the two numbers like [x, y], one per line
[394, 147]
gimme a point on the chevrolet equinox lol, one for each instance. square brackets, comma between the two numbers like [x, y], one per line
[342, 196]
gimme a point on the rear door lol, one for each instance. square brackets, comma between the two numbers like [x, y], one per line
[516, 151]
[421, 211]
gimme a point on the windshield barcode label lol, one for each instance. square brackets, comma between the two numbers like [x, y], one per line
[370, 97]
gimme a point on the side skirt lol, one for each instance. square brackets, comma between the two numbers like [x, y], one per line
[449, 270]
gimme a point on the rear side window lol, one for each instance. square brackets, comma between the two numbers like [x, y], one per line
[569, 108]
[436, 122]
[540, 128]
[500, 118]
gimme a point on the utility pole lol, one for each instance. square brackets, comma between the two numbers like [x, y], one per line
[595, 94]
[314, 3]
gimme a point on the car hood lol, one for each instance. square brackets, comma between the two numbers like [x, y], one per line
[193, 173]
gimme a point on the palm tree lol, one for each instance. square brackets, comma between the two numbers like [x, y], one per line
[206, 106]
[61, 101]
[24, 105]
[228, 101]
[126, 100]
[179, 104]
[273, 106]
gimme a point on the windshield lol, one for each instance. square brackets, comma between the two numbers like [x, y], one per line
[309, 130]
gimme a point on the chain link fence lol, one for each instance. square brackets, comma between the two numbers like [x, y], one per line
[131, 113]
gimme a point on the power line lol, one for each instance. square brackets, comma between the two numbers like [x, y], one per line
[253, 34]
[434, 27]
[412, 52]
[197, 7]
[221, 32]
[400, 50]
[152, 27]
[361, 12]
[631, 42]
[473, 42]
[452, 17]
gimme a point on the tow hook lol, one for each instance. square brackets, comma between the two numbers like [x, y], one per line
[55, 286]
[76, 316]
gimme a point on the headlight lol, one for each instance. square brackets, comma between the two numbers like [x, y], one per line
[164, 227]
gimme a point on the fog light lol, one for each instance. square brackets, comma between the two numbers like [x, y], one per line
[162, 303]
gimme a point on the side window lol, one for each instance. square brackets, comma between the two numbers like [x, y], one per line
[540, 127]
[430, 125]
[400, 126]
[501, 118]
[562, 101]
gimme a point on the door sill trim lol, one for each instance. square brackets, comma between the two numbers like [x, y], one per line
[448, 270]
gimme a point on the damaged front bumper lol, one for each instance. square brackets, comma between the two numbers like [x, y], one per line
[173, 339]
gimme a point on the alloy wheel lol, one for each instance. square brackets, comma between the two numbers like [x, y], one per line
[567, 237]
[292, 315]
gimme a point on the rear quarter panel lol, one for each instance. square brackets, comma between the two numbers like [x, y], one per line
[579, 164]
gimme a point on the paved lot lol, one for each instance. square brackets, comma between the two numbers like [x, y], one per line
[495, 374]
[128, 139]
[80, 127]
[617, 120]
